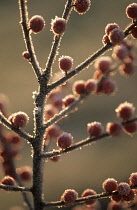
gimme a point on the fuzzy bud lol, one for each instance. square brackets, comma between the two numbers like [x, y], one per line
[65, 63]
[26, 55]
[125, 110]
[7, 180]
[133, 179]
[95, 128]
[79, 87]
[36, 23]
[69, 197]
[103, 64]
[25, 173]
[110, 26]
[58, 25]
[81, 6]
[130, 128]
[131, 11]
[123, 188]
[110, 185]
[64, 140]
[116, 35]
[19, 119]
[114, 129]
[90, 85]
[69, 99]
[89, 192]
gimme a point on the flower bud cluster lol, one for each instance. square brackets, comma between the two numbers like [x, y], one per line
[120, 193]
[113, 34]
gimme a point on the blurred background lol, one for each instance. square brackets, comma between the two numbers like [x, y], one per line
[90, 166]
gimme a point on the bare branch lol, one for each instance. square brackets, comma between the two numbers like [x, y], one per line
[15, 188]
[83, 199]
[77, 145]
[81, 143]
[64, 113]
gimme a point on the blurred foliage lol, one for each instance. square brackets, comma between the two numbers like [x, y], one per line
[90, 166]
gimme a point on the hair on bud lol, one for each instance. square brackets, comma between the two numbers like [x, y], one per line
[36, 24]
[8, 180]
[53, 131]
[131, 11]
[105, 39]
[90, 85]
[110, 185]
[69, 197]
[79, 87]
[64, 140]
[82, 6]
[95, 128]
[26, 55]
[103, 64]
[25, 173]
[55, 158]
[110, 26]
[58, 25]
[127, 69]
[130, 196]
[69, 99]
[108, 86]
[123, 188]
[120, 52]
[116, 35]
[114, 129]
[133, 179]
[113, 205]
[19, 119]
[130, 128]
[89, 192]
[134, 32]
[65, 63]
[125, 110]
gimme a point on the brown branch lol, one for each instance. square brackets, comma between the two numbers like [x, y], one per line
[15, 188]
[82, 199]
[79, 200]
[77, 145]
[80, 144]
[64, 113]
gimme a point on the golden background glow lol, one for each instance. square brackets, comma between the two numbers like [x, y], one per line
[90, 166]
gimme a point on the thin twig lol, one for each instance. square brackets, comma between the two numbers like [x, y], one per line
[15, 188]
[81, 143]
[77, 145]
[82, 199]
[64, 113]
[27, 37]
